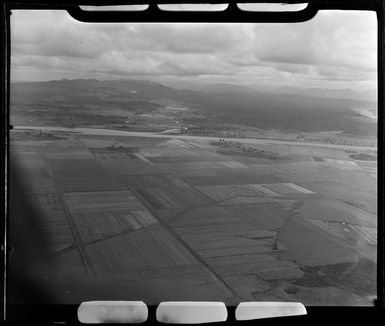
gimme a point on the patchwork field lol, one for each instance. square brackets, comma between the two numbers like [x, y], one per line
[150, 218]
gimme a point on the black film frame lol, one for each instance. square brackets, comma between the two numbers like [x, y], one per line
[67, 313]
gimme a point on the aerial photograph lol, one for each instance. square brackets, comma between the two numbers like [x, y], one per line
[223, 162]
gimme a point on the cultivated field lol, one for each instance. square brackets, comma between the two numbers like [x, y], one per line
[185, 219]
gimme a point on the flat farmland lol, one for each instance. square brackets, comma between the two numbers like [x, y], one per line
[157, 213]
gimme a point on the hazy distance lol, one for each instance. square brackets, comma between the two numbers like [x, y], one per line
[333, 55]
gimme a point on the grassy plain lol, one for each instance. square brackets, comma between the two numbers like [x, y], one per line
[181, 219]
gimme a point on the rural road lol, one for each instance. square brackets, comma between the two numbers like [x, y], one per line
[252, 141]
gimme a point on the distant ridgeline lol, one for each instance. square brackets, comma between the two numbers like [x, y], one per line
[89, 102]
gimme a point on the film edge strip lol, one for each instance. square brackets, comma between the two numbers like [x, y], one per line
[182, 312]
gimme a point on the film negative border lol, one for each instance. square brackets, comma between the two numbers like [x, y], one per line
[182, 312]
[67, 313]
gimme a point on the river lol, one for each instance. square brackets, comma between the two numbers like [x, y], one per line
[252, 141]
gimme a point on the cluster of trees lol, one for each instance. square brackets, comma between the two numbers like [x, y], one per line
[123, 149]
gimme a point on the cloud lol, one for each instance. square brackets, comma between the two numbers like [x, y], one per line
[331, 38]
[185, 38]
[333, 47]
[345, 74]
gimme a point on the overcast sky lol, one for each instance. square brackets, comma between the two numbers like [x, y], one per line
[336, 49]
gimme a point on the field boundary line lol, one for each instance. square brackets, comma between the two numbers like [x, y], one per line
[71, 223]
